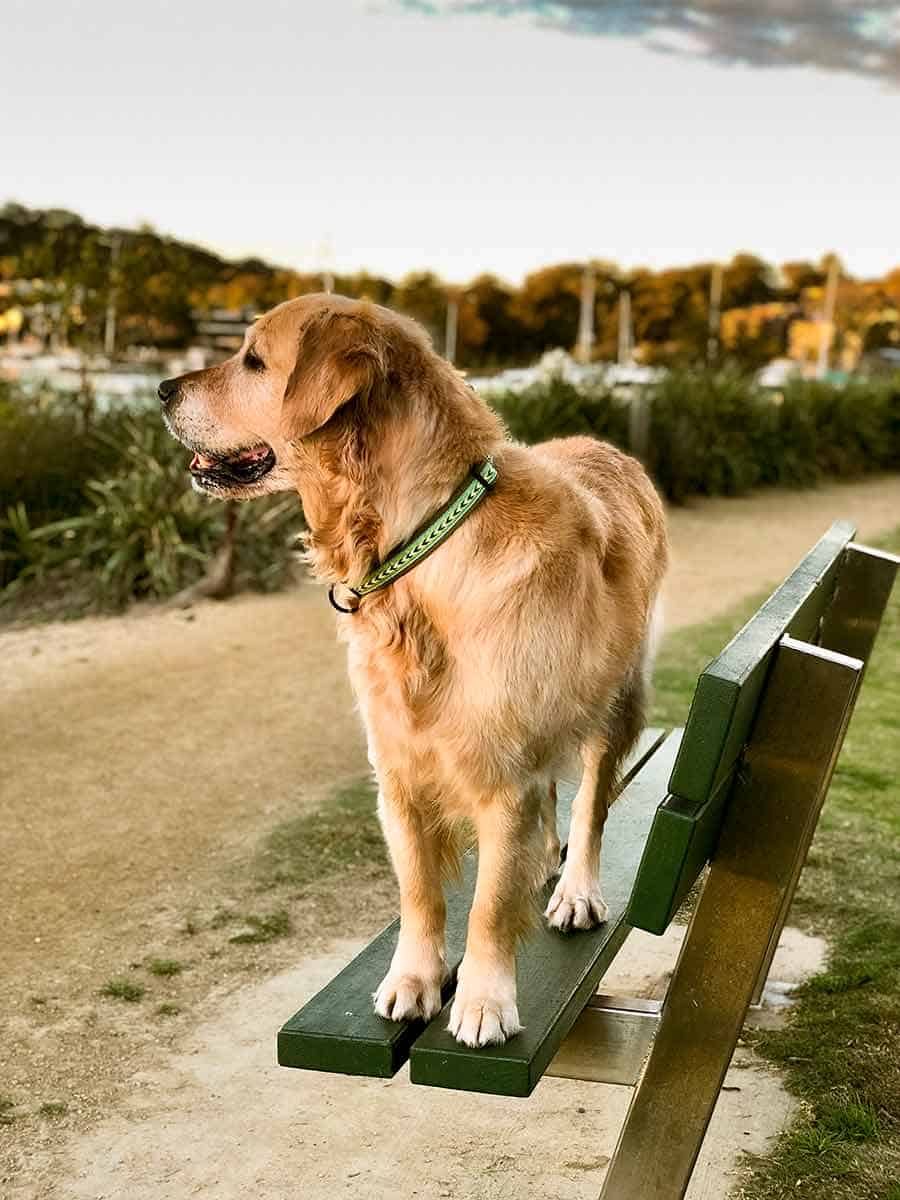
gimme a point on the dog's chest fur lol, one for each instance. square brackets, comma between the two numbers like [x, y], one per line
[398, 665]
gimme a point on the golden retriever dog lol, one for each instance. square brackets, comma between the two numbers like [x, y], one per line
[521, 643]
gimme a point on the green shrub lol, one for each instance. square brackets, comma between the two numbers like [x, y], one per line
[702, 431]
[557, 408]
[44, 462]
[97, 517]
[144, 534]
[856, 428]
[718, 433]
[136, 529]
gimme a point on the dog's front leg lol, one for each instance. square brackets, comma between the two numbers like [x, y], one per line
[484, 1008]
[412, 986]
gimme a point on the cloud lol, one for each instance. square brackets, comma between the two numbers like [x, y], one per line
[861, 37]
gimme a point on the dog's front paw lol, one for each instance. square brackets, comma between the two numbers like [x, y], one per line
[574, 907]
[484, 1008]
[405, 996]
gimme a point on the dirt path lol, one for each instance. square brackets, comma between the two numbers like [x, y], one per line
[724, 550]
[218, 1118]
[134, 787]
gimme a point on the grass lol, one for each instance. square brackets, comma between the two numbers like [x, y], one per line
[262, 929]
[167, 1010]
[327, 848]
[165, 967]
[220, 918]
[342, 835]
[7, 1117]
[53, 1108]
[838, 1051]
[123, 989]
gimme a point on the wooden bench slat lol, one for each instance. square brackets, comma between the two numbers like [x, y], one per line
[338, 1030]
[557, 972]
[728, 691]
[681, 842]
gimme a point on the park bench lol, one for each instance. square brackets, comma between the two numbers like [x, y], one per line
[731, 800]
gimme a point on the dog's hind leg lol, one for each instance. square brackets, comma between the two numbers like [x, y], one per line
[549, 835]
[420, 853]
[577, 902]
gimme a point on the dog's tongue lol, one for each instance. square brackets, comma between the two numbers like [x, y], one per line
[201, 461]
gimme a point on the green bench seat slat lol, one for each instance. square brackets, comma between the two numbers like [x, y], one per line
[338, 1030]
[557, 973]
[728, 691]
[681, 842]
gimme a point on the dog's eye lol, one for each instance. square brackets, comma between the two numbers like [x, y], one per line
[253, 362]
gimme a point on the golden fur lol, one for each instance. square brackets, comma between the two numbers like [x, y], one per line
[522, 641]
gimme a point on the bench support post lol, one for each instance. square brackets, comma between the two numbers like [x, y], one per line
[778, 790]
[850, 626]
[852, 620]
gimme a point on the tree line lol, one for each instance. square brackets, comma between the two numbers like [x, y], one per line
[54, 258]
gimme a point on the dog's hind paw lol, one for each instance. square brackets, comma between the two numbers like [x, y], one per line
[550, 864]
[408, 997]
[575, 908]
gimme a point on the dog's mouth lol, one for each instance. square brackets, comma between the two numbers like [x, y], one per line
[241, 468]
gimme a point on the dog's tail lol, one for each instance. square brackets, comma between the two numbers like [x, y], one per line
[651, 639]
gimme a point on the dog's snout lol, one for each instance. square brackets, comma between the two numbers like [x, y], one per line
[167, 391]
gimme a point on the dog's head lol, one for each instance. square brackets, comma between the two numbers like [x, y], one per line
[247, 418]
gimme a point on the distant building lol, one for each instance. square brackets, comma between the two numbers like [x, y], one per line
[222, 329]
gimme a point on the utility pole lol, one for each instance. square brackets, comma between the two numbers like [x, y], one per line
[625, 338]
[450, 327]
[715, 313]
[325, 255]
[585, 344]
[112, 295]
[827, 331]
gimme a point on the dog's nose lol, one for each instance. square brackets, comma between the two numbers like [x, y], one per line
[167, 390]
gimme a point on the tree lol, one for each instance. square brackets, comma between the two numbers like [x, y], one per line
[800, 275]
[490, 333]
[670, 312]
[747, 280]
[547, 308]
[423, 296]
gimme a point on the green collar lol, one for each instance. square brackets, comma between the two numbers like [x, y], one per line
[481, 480]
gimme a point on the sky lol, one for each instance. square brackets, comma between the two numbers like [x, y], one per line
[464, 136]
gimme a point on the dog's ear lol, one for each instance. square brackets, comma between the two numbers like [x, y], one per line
[339, 357]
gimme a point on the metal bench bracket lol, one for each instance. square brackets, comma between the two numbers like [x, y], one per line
[609, 1042]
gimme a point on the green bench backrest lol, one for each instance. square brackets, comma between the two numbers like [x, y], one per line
[686, 827]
